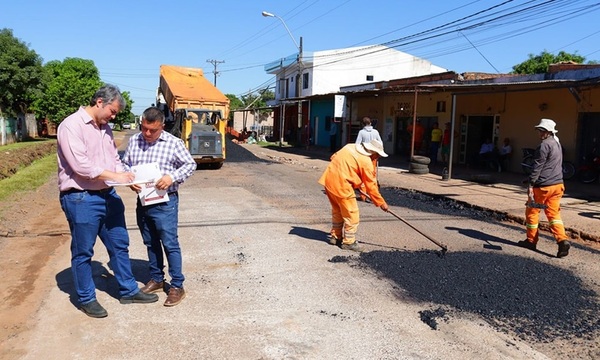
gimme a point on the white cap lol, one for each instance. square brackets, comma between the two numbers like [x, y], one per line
[374, 146]
[548, 125]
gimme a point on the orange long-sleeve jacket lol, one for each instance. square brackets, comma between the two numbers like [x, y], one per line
[349, 169]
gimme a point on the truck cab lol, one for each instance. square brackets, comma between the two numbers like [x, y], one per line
[199, 129]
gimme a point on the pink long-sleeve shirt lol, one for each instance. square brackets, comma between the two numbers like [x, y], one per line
[84, 152]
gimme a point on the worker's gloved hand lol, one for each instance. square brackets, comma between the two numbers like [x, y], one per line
[384, 207]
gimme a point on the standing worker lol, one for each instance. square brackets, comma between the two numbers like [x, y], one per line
[545, 189]
[158, 222]
[349, 168]
[87, 157]
[434, 146]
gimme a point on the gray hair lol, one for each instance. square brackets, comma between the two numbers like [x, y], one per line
[109, 94]
[153, 114]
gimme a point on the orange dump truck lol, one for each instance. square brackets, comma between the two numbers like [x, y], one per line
[196, 111]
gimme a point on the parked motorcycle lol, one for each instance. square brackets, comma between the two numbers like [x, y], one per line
[568, 167]
[589, 171]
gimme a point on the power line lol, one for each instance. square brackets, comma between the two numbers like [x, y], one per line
[480, 53]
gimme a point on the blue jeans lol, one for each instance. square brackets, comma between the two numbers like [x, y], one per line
[158, 226]
[92, 215]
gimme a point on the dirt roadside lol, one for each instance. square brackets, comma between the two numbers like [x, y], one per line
[34, 233]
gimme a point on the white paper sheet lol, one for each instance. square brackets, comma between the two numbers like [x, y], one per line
[146, 175]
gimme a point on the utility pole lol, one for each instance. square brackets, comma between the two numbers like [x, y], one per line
[215, 72]
[299, 94]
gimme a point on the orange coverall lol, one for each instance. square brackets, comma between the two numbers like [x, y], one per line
[419, 132]
[347, 170]
[550, 196]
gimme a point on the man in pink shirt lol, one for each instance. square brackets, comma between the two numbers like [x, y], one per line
[87, 159]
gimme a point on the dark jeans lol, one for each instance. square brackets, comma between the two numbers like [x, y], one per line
[158, 226]
[97, 214]
[434, 148]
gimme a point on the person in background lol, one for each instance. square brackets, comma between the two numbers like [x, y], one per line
[546, 188]
[158, 222]
[419, 131]
[505, 152]
[333, 137]
[436, 139]
[367, 133]
[87, 158]
[486, 152]
[446, 141]
[349, 168]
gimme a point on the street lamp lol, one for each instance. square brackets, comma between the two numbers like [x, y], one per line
[268, 14]
[299, 83]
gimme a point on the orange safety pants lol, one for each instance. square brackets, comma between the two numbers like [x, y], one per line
[549, 196]
[344, 218]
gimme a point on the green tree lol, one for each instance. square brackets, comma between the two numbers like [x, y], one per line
[538, 64]
[125, 115]
[21, 74]
[234, 102]
[258, 99]
[71, 83]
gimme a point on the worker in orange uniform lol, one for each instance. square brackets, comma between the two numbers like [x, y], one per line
[545, 189]
[349, 168]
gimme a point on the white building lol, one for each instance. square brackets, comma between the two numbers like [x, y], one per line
[324, 72]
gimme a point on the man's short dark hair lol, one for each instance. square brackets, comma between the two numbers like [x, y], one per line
[153, 114]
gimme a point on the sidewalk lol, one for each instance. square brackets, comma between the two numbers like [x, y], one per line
[491, 191]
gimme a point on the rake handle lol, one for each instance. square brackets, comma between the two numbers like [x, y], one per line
[444, 247]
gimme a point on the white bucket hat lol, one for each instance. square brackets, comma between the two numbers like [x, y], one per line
[374, 146]
[548, 125]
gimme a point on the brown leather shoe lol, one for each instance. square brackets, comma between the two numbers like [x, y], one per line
[175, 296]
[153, 287]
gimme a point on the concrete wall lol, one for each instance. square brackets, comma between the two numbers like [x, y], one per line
[251, 121]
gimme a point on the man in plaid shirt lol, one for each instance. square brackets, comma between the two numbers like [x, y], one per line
[158, 222]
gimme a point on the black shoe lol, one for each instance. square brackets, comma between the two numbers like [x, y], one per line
[139, 298]
[352, 247]
[563, 249]
[527, 244]
[94, 309]
[333, 240]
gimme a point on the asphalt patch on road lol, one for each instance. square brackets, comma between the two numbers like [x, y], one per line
[532, 300]
[415, 200]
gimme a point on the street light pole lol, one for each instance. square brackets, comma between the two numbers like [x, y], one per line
[268, 14]
[300, 70]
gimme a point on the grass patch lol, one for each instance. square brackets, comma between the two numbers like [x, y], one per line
[29, 178]
[24, 144]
